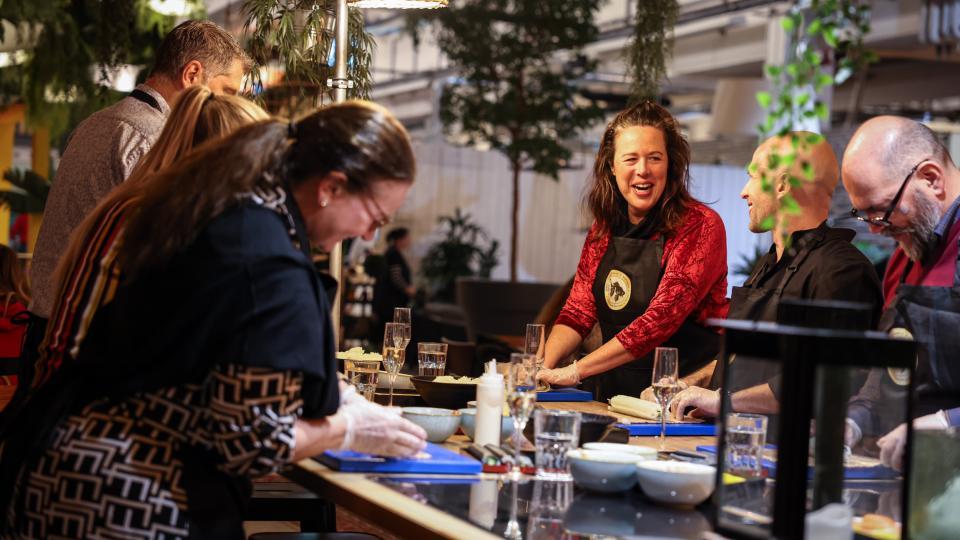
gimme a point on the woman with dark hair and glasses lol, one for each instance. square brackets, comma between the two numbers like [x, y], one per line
[653, 267]
[211, 360]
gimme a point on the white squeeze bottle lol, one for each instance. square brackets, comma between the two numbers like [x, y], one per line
[489, 406]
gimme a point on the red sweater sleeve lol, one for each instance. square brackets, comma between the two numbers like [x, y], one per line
[695, 266]
[580, 312]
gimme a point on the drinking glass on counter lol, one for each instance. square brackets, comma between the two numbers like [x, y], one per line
[535, 341]
[746, 437]
[556, 432]
[363, 375]
[521, 399]
[665, 384]
[549, 504]
[394, 341]
[432, 358]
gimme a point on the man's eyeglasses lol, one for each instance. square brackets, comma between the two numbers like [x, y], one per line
[884, 221]
[383, 219]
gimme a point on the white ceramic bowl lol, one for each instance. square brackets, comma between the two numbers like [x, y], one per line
[439, 424]
[676, 482]
[468, 421]
[649, 453]
[606, 472]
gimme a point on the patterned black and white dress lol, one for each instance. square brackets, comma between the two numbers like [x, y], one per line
[188, 384]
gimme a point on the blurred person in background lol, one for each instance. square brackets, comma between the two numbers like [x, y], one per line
[14, 297]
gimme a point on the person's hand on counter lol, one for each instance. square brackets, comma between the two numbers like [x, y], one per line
[375, 429]
[892, 444]
[706, 403]
[565, 376]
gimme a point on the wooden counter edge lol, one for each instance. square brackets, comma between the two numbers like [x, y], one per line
[381, 505]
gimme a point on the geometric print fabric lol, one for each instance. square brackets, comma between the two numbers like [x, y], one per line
[112, 470]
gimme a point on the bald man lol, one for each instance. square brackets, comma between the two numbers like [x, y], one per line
[904, 184]
[818, 263]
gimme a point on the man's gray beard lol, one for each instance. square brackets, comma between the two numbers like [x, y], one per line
[925, 217]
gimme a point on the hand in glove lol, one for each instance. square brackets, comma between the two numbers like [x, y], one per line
[374, 429]
[565, 376]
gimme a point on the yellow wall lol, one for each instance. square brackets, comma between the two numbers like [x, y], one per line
[41, 165]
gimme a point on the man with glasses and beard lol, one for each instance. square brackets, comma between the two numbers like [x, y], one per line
[922, 283]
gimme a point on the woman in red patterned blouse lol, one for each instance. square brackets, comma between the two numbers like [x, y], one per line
[653, 267]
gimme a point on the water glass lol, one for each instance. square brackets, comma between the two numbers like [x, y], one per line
[521, 399]
[432, 358]
[363, 375]
[549, 504]
[535, 340]
[746, 436]
[556, 432]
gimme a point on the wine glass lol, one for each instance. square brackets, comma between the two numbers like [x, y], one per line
[665, 384]
[521, 398]
[401, 315]
[395, 338]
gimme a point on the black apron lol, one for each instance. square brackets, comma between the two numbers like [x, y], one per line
[752, 303]
[625, 283]
[932, 316]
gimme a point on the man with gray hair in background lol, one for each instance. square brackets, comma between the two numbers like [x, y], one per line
[921, 288]
[105, 148]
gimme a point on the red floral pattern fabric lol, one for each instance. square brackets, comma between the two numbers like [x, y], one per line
[694, 283]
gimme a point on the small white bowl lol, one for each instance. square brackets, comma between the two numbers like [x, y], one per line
[649, 453]
[607, 472]
[676, 482]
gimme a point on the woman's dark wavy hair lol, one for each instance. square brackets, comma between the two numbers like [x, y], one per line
[360, 139]
[604, 199]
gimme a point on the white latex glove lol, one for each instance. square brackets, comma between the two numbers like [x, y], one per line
[707, 402]
[851, 434]
[374, 429]
[565, 376]
[647, 394]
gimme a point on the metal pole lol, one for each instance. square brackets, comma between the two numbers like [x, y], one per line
[339, 84]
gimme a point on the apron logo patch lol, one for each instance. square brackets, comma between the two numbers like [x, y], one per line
[900, 377]
[616, 290]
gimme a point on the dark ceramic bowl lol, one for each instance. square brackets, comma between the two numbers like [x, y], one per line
[444, 395]
[593, 428]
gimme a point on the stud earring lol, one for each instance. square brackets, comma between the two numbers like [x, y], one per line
[323, 203]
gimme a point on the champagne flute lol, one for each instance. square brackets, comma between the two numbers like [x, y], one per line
[665, 384]
[402, 315]
[394, 335]
[521, 398]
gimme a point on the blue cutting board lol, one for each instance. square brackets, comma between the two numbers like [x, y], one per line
[849, 473]
[440, 461]
[673, 429]
[564, 394]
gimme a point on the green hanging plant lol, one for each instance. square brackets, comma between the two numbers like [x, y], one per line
[74, 43]
[650, 47]
[818, 30]
[298, 35]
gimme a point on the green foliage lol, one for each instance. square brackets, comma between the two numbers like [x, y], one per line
[650, 47]
[300, 36]
[834, 27]
[518, 62]
[58, 81]
[465, 250]
[29, 193]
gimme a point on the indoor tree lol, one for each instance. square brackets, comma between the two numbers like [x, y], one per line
[517, 62]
